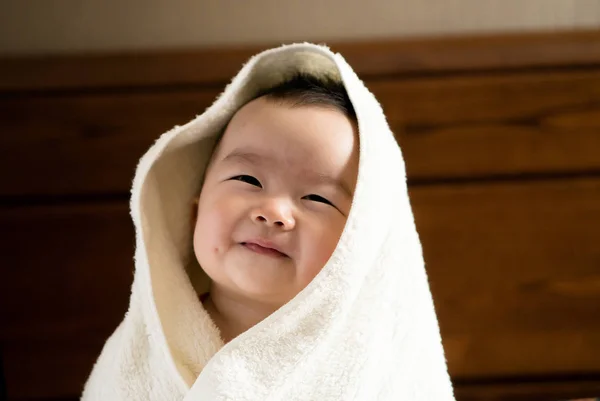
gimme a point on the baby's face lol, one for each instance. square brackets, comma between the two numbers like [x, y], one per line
[275, 199]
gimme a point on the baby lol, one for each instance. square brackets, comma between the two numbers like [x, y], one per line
[275, 199]
[302, 276]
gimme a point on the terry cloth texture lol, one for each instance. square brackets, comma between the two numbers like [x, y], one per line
[364, 329]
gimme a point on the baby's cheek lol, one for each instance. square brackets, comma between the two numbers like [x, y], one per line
[323, 242]
[213, 225]
[207, 241]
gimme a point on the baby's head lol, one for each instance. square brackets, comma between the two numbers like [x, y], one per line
[277, 191]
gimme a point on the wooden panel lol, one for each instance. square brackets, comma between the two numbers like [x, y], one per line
[369, 58]
[66, 277]
[514, 271]
[550, 390]
[504, 124]
[90, 144]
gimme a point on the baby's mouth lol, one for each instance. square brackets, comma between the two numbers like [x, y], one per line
[263, 250]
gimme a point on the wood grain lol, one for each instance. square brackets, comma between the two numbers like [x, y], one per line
[515, 275]
[513, 267]
[66, 276]
[85, 144]
[368, 58]
[552, 389]
[495, 124]
[499, 125]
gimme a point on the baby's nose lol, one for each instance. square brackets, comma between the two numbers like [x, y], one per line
[274, 214]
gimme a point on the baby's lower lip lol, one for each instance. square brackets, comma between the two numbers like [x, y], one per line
[262, 250]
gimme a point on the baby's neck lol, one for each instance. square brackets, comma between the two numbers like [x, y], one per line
[233, 315]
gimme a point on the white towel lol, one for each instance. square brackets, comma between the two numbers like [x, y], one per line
[364, 329]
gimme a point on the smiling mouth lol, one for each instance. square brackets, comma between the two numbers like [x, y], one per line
[263, 250]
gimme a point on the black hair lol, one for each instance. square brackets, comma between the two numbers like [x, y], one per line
[308, 90]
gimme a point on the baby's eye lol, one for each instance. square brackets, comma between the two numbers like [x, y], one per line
[317, 198]
[248, 179]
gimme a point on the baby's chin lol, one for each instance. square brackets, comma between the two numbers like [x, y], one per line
[269, 283]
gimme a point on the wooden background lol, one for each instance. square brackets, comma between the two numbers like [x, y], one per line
[501, 136]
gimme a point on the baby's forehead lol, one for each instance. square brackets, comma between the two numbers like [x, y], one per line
[310, 123]
[279, 136]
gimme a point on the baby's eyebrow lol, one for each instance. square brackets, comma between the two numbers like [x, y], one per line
[248, 157]
[253, 158]
[327, 180]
